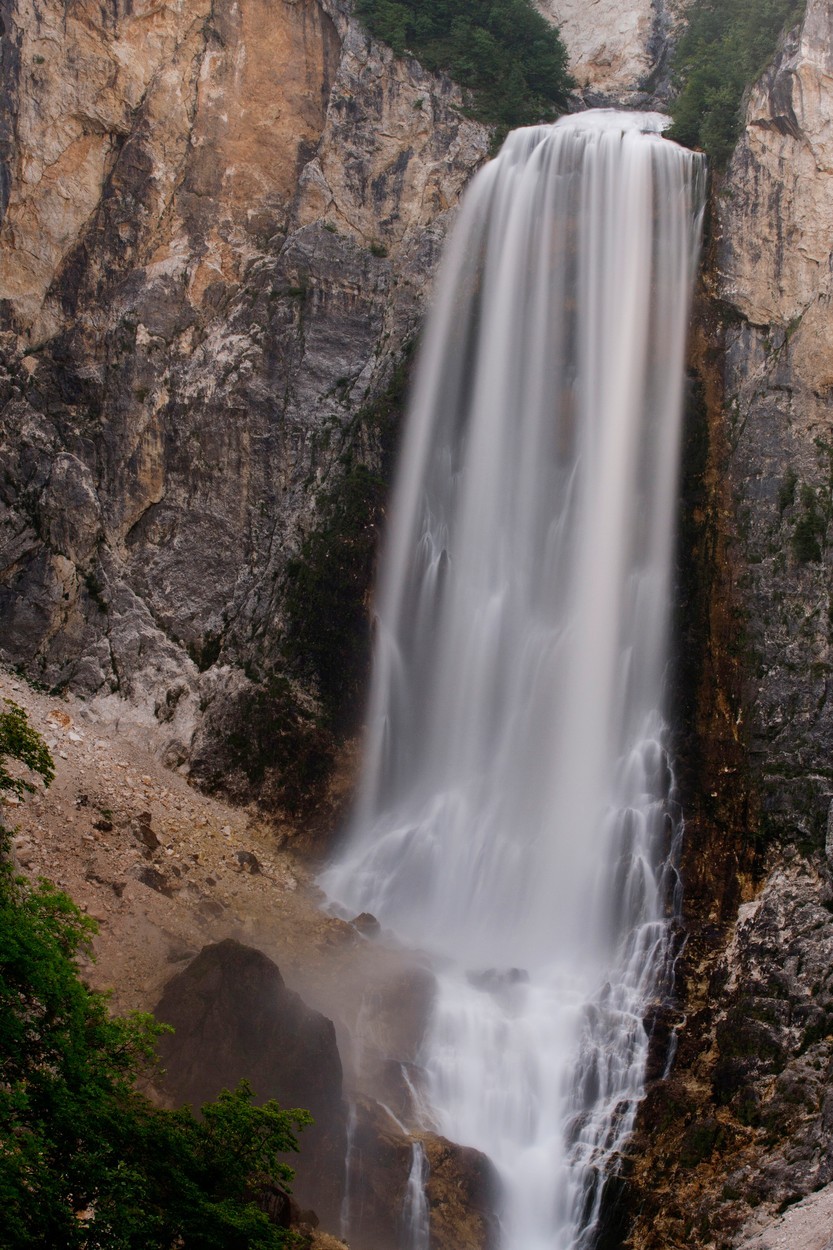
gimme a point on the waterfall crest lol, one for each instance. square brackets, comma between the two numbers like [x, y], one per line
[515, 815]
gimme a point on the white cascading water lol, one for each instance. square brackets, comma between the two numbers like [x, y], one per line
[513, 817]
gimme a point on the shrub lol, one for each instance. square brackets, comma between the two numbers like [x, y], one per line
[809, 529]
[20, 742]
[86, 1162]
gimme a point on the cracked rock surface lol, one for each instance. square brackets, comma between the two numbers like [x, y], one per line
[220, 223]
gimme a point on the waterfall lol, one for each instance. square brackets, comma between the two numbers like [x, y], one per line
[416, 1216]
[515, 816]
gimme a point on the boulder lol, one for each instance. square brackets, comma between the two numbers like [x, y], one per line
[235, 1018]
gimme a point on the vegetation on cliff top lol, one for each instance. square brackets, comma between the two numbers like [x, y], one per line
[504, 52]
[86, 1161]
[727, 44]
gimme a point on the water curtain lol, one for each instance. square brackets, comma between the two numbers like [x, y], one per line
[516, 814]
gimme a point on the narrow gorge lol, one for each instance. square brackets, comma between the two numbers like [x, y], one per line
[221, 225]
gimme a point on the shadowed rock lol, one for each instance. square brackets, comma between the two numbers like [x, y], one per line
[234, 1017]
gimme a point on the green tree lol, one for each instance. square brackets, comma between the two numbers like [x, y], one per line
[727, 44]
[20, 742]
[86, 1161]
[503, 52]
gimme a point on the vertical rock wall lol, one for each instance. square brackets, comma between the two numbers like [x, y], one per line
[774, 279]
[220, 224]
[741, 1130]
[618, 51]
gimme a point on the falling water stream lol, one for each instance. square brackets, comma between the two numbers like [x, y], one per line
[516, 814]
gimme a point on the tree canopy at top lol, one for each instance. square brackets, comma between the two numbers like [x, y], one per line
[503, 51]
[727, 44]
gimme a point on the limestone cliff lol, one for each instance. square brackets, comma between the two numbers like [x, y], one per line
[220, 223]
[618, 52]
[740, 1131]
[775, 222]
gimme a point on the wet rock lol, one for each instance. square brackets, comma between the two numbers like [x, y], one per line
[462, 1188]
[366, 924]
[235, 1018]
[400, 1008]
[276, 1203]
[379, 1166]
[400, 1086]
[463, 1191]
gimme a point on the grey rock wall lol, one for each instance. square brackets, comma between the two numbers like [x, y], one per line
[619, 49]
[740, 1132]
[220, 226]
[774, 280]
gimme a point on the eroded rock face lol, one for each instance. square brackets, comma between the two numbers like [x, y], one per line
[618, 51]
[220, 226]
[740, 1132]
[776, 222]
[234, 1018]
[462, 1190]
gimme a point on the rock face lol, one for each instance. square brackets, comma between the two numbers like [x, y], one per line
[220, 223]
[461, 1189]
[462, 1192]
[774, 276]
[618, 51]
[234, 1018]
[740, 1132]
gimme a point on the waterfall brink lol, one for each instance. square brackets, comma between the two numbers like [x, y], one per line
[516, 812]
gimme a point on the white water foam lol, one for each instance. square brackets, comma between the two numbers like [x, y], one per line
[515, 815]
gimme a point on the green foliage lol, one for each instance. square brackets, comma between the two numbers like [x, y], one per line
[699, 1141]
[274, 734]
[327, 589]
[809, 529]
[504, 52]
[20, 742]
[86, 1162]
[786, 491]
[727, 44]
[328, 584]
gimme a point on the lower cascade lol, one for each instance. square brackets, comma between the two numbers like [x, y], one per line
[516, 815]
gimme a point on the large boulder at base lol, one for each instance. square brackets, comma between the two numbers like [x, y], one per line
[234, 1017]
